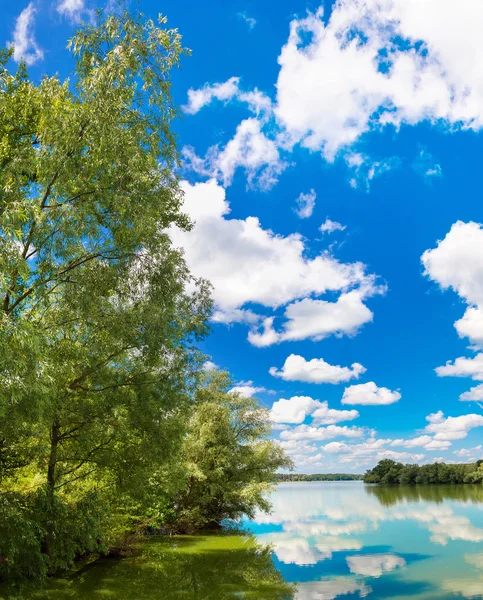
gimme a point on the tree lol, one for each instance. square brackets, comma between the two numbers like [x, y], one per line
[98, 312]
[228, 462]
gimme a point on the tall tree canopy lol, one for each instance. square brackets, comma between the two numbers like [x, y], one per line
[98, 312]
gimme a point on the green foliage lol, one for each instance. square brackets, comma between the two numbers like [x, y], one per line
[20, 541]
[105, 426]
[98, 330]
[389, 471]
[227, 459]
[280, 477]
[215, 567]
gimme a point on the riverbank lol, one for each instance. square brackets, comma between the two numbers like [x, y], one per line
[210, 566]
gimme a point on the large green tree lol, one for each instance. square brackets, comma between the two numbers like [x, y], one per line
[98, 312]
[228, 462]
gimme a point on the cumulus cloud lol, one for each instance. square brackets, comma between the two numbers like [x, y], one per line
[374, 565]
[246, 389]
[369, 394]
[248, 264]
[463, 367]
[330, 226]
[308, 432]
[328, 589]
[475, 394]
[24, 44]
[305, 204]
[368, 66]
[375, 64]
[72, 9]
[457, 263]
[370, 451]
[249, 149]
[296, 409]
[293, 410]
[318, 319]
[197, 99]
[209, 366]
[297, 368]
[469, 452]
[452, 428]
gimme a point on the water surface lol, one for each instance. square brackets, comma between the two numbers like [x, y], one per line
[348, 540]
[326, 540]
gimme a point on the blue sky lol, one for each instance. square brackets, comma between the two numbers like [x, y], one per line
[332, 163]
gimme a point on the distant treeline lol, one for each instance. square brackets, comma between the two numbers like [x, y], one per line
[391, 495]
[317, 477]
[389, 471]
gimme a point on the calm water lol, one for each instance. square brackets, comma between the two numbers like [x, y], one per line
[327, 540]
[348, 540]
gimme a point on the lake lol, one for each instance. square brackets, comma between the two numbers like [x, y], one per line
[326, 540]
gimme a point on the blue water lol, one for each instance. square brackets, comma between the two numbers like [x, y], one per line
[350, 540]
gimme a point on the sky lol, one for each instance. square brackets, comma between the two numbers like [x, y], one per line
[332, 166]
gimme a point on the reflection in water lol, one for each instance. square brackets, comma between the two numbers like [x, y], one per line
[201, 567]
[374, 565]
[333, 540]
[350, 540]
[388, 495]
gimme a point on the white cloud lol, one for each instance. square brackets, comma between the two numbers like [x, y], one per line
[337, 448]
[469, 452]
[475, 394]
[330, 226]
[296, 368]
[209, 366]
[371, 451]
[324, 415]
[463, 367]
[376, 63]
[452, 428]
[364, 168]
[466, 587]
[423, 441]
[296, 409]
[457, 263]
[306, 432]
[437, 445]
[250, 149]
[374, 565]
[471, 325]
[328, 589]
[197, 99]
[248, 264]
[24, 44]
[293, 410]
[426, 166]
[72, 9]
[305, 204]
[250, 21]
[369, 394]
[318, 319]
[247, 389]
[372, 65]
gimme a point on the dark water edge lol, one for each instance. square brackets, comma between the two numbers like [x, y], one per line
[215, 566]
